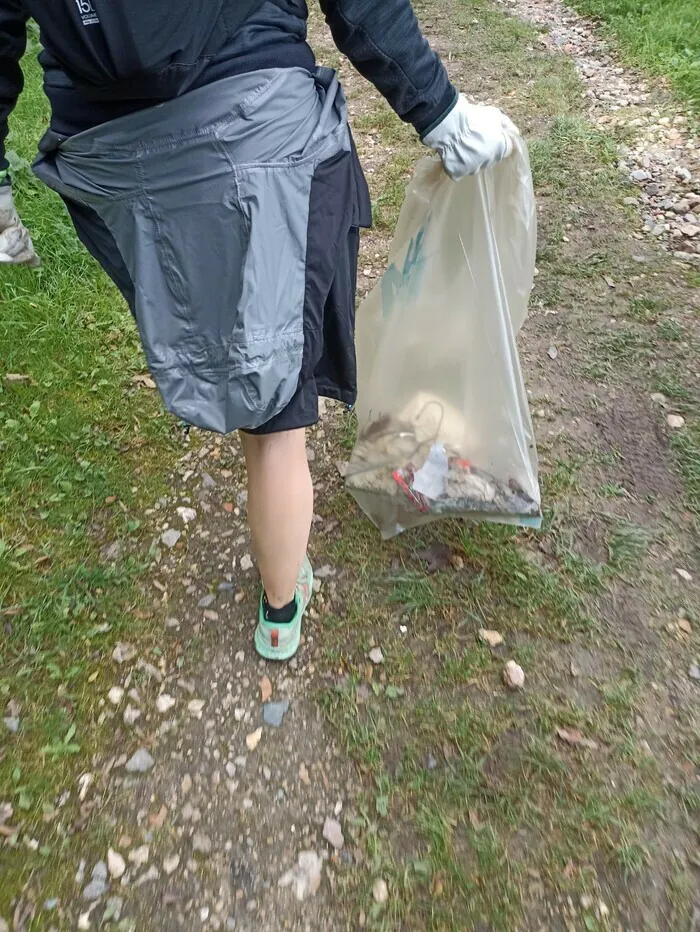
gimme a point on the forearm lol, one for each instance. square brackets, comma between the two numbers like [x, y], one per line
[384, 42]
[13, 40]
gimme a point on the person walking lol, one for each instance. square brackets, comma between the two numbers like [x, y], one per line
[207, 164]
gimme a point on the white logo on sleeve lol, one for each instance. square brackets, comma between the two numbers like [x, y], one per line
[87, 12]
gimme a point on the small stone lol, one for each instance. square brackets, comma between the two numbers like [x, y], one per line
[380, 891]
[586, 901]
[376, 655]
[151, 874]
[552, 352]
[204, 913]
[603, 911]
[11, 723]
[675, 421]
[116, 864]
[253, 739]
[684, 575]
[513, 675]
[84, 921]
[206, 601]
[195, 706]
[140, 762]
[131, 715]
[689, 229]
[172, 623]
[123, 653]
[95, 889]
[113, 910]
[139, 856]
[304, 775]
[115, 695]
[171, 864]
[659, 399]
[630, 202]
[305, 876]
[164, 703]
[324, 572]
[694, 671]
[431, 762]
[187, 514]
[274, 712]
[333, 833]
[683, 174]
[186, 784]
[640, 175]
[246, 563]
[170, 537]
[492, 638]
[201, 843]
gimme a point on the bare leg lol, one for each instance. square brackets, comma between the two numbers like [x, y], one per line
[280, 508]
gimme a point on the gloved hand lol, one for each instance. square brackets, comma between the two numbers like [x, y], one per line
[472, 137]
[15, 244]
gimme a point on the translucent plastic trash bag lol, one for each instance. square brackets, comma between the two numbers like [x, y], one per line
[443, 422]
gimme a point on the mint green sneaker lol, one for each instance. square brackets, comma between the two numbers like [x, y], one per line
[275, 641]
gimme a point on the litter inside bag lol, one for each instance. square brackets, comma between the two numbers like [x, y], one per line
[443, 422]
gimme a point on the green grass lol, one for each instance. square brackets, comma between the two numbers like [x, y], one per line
[663, 36]
[77, 464]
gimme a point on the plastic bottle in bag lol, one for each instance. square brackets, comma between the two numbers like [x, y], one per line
[444, 428]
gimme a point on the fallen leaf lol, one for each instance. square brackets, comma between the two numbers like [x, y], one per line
[436, 557]
[144, 380]
[265, 689]
[574, 737]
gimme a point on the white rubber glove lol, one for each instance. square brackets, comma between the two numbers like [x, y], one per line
[15, 243]
[472, 137]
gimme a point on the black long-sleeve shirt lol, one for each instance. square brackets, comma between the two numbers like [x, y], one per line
[105, 58]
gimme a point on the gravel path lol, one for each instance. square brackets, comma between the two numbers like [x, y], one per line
[662, 158]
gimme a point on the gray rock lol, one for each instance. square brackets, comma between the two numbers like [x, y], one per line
[694, 671]
[99, 871]
[305, 876]
[274, 712]
[207, 481]
[171, 537]
[12, 723]
[140, 762]
[652, 189]
[333, 833]
[206, 601]
[201, 843]
[113, 910]
[123, 652]
[639, 174]
[95, 889]
[50, 905]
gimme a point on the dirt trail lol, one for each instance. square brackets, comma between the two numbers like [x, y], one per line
[221, 810]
